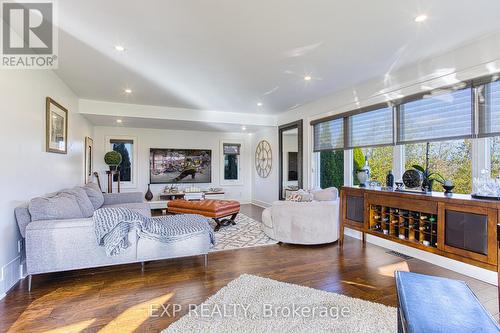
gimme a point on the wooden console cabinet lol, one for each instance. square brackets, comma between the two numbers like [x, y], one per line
[457, 226]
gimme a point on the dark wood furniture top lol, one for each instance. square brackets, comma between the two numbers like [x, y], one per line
[466, 228]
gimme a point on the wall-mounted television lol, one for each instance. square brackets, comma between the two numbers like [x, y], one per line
[170, 166]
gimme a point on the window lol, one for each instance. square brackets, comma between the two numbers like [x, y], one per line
[329, 135]
[126, 148]
[451, 159]
[331, 168]
[442, 115]
[495, 156]
[379, 160]
[489, 115]
[370, 128]
[231, 163]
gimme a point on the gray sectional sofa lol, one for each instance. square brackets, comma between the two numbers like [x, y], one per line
[59, 232]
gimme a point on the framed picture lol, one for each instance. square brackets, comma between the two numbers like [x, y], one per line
[89, 159]
[56, 127]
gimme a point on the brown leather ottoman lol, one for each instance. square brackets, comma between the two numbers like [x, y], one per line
[216, 209]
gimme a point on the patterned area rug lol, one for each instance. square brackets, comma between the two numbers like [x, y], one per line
[246, 233]
[255, 304]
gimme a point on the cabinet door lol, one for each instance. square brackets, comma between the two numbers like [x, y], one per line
[353, 208]
[470, 231]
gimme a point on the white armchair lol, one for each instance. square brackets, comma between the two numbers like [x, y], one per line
[307, 223]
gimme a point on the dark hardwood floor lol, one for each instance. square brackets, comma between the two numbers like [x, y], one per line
[119, 298]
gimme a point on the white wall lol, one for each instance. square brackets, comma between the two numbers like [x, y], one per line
[265, 190]
[26, 169]
[158, 138]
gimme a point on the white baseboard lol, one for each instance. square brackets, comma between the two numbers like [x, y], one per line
[262, 204]
[454, 265]
[10, 275]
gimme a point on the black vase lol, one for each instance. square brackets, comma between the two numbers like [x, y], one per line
[149, 194]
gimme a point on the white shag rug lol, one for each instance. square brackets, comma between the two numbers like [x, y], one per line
[246, 233]
[255, 304]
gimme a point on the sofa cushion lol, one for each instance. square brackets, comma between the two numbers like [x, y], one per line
[139, 207]
[95, 195]
[57, 207]
[82, 199]
[327, 194]
[23, 218]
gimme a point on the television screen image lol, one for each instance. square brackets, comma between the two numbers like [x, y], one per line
[180, 166]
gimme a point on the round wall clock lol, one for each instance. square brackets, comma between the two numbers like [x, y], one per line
[263, 159]
[412, 178]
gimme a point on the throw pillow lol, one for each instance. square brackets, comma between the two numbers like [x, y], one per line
[294, 197]
[95, 195]
[82, 199]
[327, 194]
[58, 207]
[305, 195]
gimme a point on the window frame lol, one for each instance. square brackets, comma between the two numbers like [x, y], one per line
[107, 142]
[480, 142]
[231, 182]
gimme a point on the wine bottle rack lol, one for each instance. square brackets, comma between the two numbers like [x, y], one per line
[412, 226]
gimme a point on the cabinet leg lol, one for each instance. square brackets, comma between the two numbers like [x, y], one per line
[341, 236]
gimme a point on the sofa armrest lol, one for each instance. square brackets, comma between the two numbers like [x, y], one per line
[122, 198]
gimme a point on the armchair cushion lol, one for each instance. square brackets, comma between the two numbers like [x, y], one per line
[327, 194]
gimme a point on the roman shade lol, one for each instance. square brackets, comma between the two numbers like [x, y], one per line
[489, 109]
[329, 135]
[372, 128]
[441, 115]
[231, 148]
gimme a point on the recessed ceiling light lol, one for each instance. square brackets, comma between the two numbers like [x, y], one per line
[307, 78]
[119, 121]
[421, 18]
[259, 104]
[120, 48]
[243, 128]
[128, 91]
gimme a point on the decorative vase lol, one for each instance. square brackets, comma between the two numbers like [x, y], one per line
[389, 180]
[149, 194]
[362, 177]
[427, 185]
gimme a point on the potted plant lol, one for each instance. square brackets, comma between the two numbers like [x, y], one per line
[113, 159]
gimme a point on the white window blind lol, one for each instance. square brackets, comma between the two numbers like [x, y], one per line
[372, 128]
[489, 111]
[436, 117]
[329, 135]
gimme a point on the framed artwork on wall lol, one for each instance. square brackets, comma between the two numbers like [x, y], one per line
[89, 159]
[56, 127]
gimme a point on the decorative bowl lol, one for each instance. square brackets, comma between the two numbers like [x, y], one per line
[448, 188]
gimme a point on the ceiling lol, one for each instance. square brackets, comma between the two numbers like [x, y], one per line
[228, 55]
